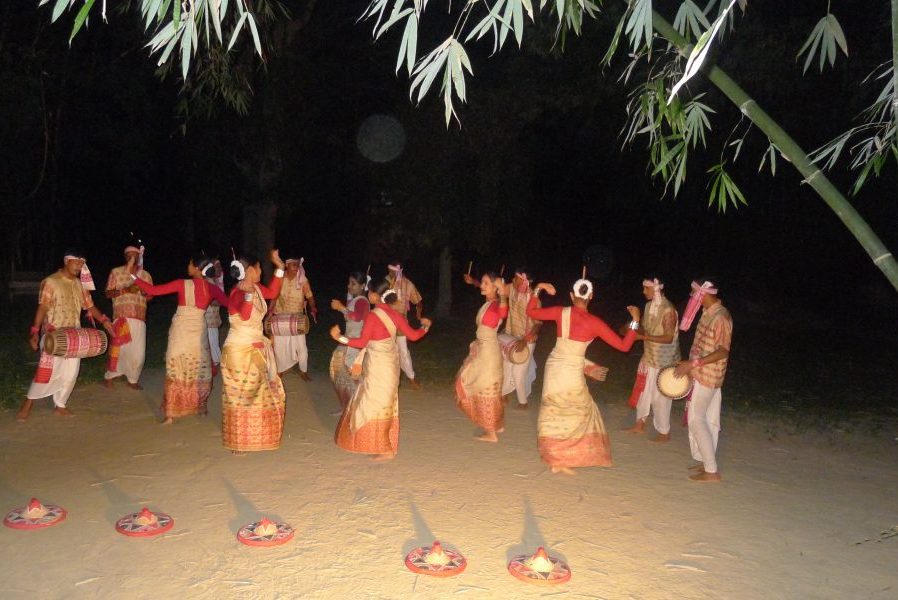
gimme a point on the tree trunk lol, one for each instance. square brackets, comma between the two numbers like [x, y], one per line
[444, 294]
[790, 149]
[258, 232]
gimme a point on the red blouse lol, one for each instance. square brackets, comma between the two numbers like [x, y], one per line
[584, 326]
[204, 293]
[374, 329]
[359, 311]
[494, 314]
[237, 305]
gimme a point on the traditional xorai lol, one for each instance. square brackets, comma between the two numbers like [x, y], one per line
[267, 337]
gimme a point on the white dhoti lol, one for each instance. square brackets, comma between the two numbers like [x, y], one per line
[61, 384]
[133, 354]
[214, 345]
[519, 378]
[704, 425]
[651, 400]
[405, 358]
[290, 350]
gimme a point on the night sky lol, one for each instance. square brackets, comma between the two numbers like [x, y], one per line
[535, 174]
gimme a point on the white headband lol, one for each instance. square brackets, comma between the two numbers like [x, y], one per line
[241, 270]
[205, 270]
[580, 283]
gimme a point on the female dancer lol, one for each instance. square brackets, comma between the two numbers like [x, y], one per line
[188, 364]
[570, 428]
[478, 385]
[354, 311]
[370, 423]
[252, 405]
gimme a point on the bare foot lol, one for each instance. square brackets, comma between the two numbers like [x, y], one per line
[564, 470]
[135, 386]
[489, 436]
[107, 383]
[415, 385]
[638, 427]
[661, 438]
[304, 376]
[519, 406]
[284, 374]
[705, 477]
[24, 410]
[383, 457]
[167, 421]
[63, 412]
[500, 430]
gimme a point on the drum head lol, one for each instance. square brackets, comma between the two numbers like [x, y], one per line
[35, 516]
[265, 533]
[539, 568]
[144, 524]
[675, 388]
[435, 561]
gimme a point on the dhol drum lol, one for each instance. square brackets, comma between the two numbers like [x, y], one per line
[507, 343]
[288, 324]
[75, 342]
[675, 388]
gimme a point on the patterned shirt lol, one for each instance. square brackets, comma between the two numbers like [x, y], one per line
[65, 298]
[131, 305]
[655, 354]
[518, 323]
[715, 330]
[407, 294]
[292, 299]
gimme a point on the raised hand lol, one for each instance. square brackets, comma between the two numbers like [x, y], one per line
[276, 259]
[337, 305]
[547, 287]
[425, 322]
[635, 313]
[470, 280]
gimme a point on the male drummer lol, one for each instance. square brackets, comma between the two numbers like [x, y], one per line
[661, 349]
[63, 295]
[296, 293]
[406, 295]
[129, 312]
[707, 366]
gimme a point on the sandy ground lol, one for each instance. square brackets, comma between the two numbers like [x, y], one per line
[804, 516]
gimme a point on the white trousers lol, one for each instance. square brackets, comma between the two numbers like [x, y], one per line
[519, 378]
[653, 401]
[214, 345]
[61, 384]
[290, 350]
[704, 425]
[132, 355]
[405, 358]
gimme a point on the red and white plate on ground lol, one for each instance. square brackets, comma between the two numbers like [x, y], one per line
[265, 533]
[539, 568]
[435, 561]
[35, 516]
[145, 523]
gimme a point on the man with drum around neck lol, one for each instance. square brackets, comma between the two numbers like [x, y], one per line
[63, 295]
[707, 366]
[658, 331]
[294, 298]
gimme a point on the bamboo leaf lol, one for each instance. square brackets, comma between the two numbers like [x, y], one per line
[237, 29]
[80, 18]
[251, 20]
[59, 8]
[700, 51]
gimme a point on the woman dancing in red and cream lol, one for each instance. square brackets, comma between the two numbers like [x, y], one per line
[188, 360]
[570, 428]
[478, 385]
[370, 423]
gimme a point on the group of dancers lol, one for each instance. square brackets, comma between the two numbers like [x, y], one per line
[372, 351]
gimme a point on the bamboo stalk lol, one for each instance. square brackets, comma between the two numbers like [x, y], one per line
[790, 149]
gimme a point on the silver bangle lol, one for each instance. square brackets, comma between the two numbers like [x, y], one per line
[343, 339]
[634, 325]
[247, 297]
[278, 272]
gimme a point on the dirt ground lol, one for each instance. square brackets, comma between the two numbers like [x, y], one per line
[800, 516]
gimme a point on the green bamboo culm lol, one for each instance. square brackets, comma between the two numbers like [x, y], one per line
[790, 149]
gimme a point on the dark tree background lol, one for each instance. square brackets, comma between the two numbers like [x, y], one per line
[93, 146]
